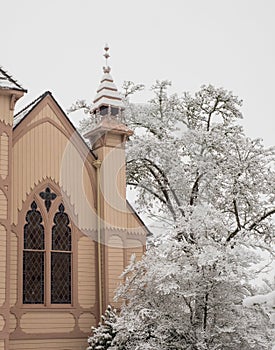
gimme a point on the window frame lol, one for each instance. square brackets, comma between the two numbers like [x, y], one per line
[48, 223]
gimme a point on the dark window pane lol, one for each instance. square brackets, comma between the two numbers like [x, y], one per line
[33, 277]
[48, 197]
[60, 278]
[33, 230]
[103, 110]
[61, 232]
[114, 111]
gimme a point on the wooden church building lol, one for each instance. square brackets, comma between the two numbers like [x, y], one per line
[66, 228]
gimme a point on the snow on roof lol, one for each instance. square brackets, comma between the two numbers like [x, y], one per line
[107, 93]
[106, 101]
[106, 84]
[7, 82]
[26, 110]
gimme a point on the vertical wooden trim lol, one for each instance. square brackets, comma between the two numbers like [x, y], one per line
[97, 165]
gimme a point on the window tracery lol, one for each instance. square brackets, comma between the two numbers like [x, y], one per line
[61, 259]
[33, 258]
[49, 240]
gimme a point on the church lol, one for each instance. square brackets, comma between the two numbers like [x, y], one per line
[67, 230]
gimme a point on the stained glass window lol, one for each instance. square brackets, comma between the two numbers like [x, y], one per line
[35, 270]
[61, 259]
[60, 278]
[61, 232]
[48, 197]
[33, 258]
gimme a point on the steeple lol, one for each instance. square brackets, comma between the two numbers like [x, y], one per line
[108, 101]
[107, 139]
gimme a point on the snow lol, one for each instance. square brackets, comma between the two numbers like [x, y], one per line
[106, 76]
[21, 115]
[267, 299]
[6, 82]
[107, 93]
[107, 101]
[107, 85]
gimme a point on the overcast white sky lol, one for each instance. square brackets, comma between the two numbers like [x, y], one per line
[57, 45]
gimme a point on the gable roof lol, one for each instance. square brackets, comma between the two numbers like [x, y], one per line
[26, 110]
[8, 82]
[23, 114]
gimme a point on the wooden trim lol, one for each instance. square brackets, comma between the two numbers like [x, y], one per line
[20, 309]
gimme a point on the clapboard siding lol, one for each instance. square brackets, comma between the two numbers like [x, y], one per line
[6, 114]
[86, 321]
[3, 205]
[45, 151]
[86, 272]
[4, 154]
[115, 264]
[3, 247]
[13, 269]
[47, 322]
[48, 344]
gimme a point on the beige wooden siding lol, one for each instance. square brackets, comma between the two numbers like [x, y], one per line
[2, 323]
[47, 112]
[86, 272]
[3, 205]
[4, 154]
[47, 322]
[12, 322]
[6, 114]
[45, 152]
[2, 345]
[48, 344]
[3, 248]
[13, 269]
[113, 187]
[133, 246]
[86, 321]
[115, 264]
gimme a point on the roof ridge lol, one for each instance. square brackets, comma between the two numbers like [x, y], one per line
[33, 102]
[10, 77]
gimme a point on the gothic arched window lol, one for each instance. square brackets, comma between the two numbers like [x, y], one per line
[47, 256]
[33, 258]
[61, 259]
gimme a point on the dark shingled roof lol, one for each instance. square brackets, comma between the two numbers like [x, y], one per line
[7, 82]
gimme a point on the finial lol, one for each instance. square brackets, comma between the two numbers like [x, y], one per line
[106, 69]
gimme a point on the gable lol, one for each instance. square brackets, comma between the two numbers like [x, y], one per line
[47, 146]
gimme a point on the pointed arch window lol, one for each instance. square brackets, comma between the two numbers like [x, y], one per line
[47, 257]
[61, 258]
[33, 257]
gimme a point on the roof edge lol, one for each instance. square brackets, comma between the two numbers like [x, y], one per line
[35, 103]
[14, 81]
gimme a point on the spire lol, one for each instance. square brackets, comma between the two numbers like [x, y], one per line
[106, 69]
[108, 101]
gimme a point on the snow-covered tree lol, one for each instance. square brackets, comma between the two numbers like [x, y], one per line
[194, 167]
[103, 335]
[189, 294]
[192, 151]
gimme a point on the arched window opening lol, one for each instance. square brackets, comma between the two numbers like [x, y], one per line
[33, 258]
[61, 258]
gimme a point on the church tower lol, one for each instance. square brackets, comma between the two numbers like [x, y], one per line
[107, 139]
[10, 92]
